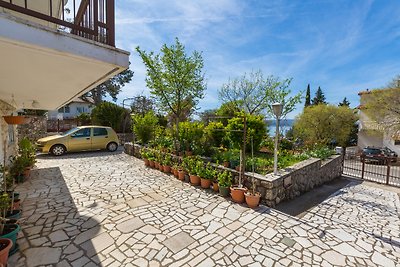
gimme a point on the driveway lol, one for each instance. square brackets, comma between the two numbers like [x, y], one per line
[107, 209]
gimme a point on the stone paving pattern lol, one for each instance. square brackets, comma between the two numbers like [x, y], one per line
[107, 209]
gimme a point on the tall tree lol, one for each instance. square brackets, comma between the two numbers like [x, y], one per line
[111, 87]
[383, 106]
[254, 94]
[110, 114]
[175, 79]
[319, 97]
[141, 105]
[308, 96]
[345, 102]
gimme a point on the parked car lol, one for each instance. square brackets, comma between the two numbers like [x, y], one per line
[81, 138]
[379, 155]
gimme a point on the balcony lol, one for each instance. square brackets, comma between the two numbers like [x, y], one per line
[91, 19]
[53, 51]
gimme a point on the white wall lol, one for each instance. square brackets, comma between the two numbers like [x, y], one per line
[74, 111]
[6, 146]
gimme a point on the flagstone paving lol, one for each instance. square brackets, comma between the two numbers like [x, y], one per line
[102, 209]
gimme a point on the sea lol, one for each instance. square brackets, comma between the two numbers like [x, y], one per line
[284, 126]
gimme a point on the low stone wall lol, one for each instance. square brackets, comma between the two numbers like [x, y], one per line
[288, 184]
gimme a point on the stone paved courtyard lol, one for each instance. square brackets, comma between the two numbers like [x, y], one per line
[102, 209]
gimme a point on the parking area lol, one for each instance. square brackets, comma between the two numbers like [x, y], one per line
[107, 209]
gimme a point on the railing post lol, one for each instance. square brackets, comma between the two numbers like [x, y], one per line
[388, 171]
[110, 9]
[363, 166]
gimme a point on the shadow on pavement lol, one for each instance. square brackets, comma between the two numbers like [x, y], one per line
[53, 231]
[300, 205]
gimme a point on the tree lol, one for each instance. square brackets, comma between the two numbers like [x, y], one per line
[175, 79]
[253, 94]
[308, 97]
[109, 114]
[345, 102]
[319, 97]
[322, 124]
[144, 126]
[383, 106]
[141, 105]
[111, 87]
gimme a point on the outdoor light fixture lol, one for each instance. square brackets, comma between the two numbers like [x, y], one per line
[277, 109]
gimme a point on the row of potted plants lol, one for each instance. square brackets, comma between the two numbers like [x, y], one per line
[17, 171]
[193, 169]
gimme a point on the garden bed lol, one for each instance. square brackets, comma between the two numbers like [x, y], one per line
[289, 183]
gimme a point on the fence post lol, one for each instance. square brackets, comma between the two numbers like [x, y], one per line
[388, 171]
[363, 166]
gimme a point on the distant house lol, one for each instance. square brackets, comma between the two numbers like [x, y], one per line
[72, 109]
[370, 133]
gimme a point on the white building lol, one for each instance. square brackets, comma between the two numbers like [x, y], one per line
[50, 54]
[72, 109]
[370, 133]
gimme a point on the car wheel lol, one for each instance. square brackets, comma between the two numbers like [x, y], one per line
[58, 150]
[112, 147]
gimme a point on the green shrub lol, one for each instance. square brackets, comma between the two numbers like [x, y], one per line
[214, 133]
[190, 135]
[109, 114]
[225, 179]
[144, 126]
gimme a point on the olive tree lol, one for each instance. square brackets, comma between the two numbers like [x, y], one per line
[175, 79]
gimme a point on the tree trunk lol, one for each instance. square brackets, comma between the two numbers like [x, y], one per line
[97, 96]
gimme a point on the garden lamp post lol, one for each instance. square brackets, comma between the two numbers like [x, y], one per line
[277, 109]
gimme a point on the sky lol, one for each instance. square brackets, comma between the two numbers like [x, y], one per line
[343, 46]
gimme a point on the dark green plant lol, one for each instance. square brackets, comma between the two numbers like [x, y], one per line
[83, 118]
[109, 114]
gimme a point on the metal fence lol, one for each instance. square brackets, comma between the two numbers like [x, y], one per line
[384, 170]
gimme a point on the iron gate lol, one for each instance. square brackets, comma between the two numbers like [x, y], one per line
[384, 170]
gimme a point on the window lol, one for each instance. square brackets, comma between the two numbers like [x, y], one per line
[397, 142]
[80, 109]
[99, 132]
[11, 137]
[81, 133]
[61, 110]
[66, 109]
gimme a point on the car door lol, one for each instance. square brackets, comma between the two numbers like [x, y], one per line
[100, 138]
[80, 140]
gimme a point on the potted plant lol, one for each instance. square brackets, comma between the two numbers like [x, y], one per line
[215, 186]
[253, 197]
[237, 191]
[5, 246]
[175, 169]
[194, 168]
[167, 163]
[225, 158]
[224, 183]
[9, 231]
[145, 156]
[206, 175]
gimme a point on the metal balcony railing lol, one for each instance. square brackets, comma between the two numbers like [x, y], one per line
[91, 19]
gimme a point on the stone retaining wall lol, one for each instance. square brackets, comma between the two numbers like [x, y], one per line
[288, 184]
[34, 130]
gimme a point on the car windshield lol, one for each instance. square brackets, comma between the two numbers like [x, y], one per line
[69, 131]
[372, 151]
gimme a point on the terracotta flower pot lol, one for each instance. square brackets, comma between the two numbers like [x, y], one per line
[167, 169]
[156, 165]
[16, 119]
[205, 183]
[237, 168]
[176, 173]
[151, 164]
[188, 153]
[252, 200]
[160, 167]
[194, 180]
[181, 175]
[5, 246]
[172, 170]
[215, 186]
[27, 172]
[146, 162]
[224, 191]
[237, 193]
[226, 164]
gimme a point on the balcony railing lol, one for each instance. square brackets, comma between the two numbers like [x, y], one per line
[91, 19]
